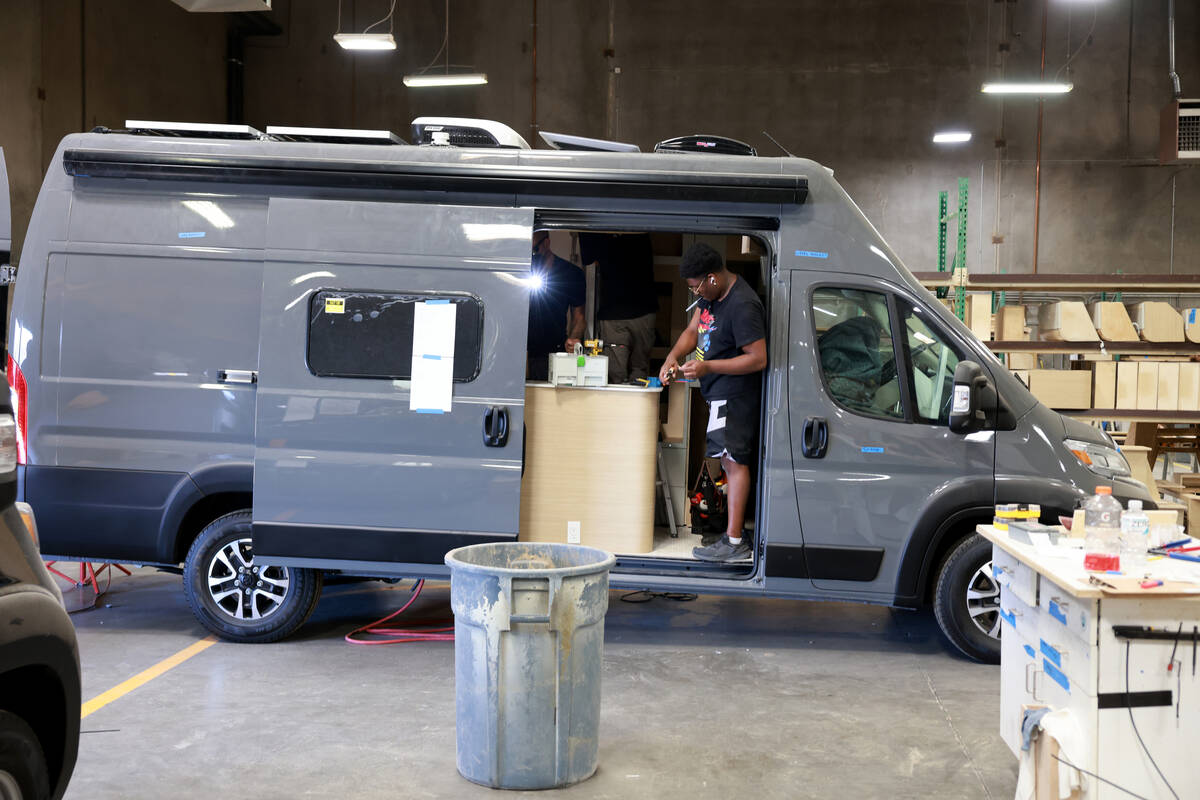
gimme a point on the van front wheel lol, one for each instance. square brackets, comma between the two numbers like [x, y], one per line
[967, 600]
[241, 601]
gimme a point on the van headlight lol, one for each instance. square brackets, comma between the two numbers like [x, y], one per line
[1099, 458]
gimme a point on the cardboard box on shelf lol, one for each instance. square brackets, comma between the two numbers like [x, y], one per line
[1062, 388]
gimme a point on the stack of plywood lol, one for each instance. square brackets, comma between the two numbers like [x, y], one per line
[1147, 385]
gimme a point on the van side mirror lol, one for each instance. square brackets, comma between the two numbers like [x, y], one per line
[973, 407]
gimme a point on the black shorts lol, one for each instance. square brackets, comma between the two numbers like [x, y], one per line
[733, 428]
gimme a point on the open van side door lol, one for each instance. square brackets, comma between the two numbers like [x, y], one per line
[345, 474]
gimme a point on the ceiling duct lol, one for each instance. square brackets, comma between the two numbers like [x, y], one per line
[1179, 122]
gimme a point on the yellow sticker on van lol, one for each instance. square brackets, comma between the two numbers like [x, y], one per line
[335, 305]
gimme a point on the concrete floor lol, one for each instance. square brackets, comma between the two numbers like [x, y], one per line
[717, 697]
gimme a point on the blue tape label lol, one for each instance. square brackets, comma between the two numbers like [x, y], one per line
[1050, 653]
[192, 234]
[436, 302]
[430, 411]
[1191, 316]
[432, 358]
[1031, 652]
[1009, 617]
[811, 254]
[1056, 675]
[1057, 612]
[872, 449]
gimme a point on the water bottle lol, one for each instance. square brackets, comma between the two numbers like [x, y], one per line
[1135, 537]
[1102, 517]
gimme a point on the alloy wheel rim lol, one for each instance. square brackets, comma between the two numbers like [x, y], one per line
[9, 788]
[983, 601]
[242, 590]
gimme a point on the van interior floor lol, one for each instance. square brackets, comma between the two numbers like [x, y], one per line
[667, 546]
[825, 699]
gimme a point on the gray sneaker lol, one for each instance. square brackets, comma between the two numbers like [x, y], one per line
[722, 551]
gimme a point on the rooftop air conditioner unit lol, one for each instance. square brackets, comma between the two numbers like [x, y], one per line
[1179, 130]
[462, 132]
[224, 5]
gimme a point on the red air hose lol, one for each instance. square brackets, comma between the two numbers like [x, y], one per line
[432, 632]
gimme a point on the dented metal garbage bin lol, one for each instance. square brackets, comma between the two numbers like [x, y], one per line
[528, 647]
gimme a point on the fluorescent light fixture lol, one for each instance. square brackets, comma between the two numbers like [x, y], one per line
[951, 137]
[365, 41]
[1033, 87]
[210, 211]
[442, 79]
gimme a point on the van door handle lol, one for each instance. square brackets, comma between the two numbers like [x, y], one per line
[237, 376]
[814, 437]
[495, 426]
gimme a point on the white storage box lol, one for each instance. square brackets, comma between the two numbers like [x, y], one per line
[568, 369]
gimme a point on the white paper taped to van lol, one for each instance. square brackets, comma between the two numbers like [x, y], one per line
[432, 357]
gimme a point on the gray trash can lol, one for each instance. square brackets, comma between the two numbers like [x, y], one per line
[528, 647]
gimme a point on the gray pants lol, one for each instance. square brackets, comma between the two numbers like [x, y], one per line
[627, 344]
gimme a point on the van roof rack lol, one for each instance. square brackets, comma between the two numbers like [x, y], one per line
[286, 133]
[701, 143]
[566, 141]
[465, 132]
[202, 130]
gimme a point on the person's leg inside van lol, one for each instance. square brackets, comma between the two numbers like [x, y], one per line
[732, 436]
[641, 340]
[617, 339]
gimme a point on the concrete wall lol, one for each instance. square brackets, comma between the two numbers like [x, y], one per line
[859, 85]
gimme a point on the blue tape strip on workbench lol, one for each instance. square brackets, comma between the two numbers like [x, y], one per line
[1056, 676]
[1009, 617]
[1032, 653]
[1051, 653]
[429, 411]
[811, 254]
[1057, 612]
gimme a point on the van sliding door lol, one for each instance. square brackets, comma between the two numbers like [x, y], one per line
[371, 449]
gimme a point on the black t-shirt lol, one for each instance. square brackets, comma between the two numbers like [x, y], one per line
[562, 287]
[726, 326]
[624, 273]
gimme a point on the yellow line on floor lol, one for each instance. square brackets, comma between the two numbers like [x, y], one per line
[145, 676]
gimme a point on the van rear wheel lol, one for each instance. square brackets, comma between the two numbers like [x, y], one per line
[241, 601]
[967, 600]
[22, 765]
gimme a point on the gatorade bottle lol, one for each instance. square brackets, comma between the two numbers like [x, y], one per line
[1102, 547]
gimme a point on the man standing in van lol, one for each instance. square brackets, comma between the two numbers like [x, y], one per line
[555, 307]
[728, 336]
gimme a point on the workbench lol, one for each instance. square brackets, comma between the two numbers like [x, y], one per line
[1070, 643]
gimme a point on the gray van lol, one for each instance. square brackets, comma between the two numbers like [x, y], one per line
[162, 358]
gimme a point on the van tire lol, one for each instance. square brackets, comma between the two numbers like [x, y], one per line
[967, 568]
[280, 599]
[22, 763]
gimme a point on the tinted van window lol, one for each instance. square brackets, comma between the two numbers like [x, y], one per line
[854, 338]
[370, 334]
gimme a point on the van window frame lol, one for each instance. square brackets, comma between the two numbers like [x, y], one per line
[963, 353]
[425, 294]
[900, 356]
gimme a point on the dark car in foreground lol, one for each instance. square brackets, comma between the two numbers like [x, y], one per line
[39, 657]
